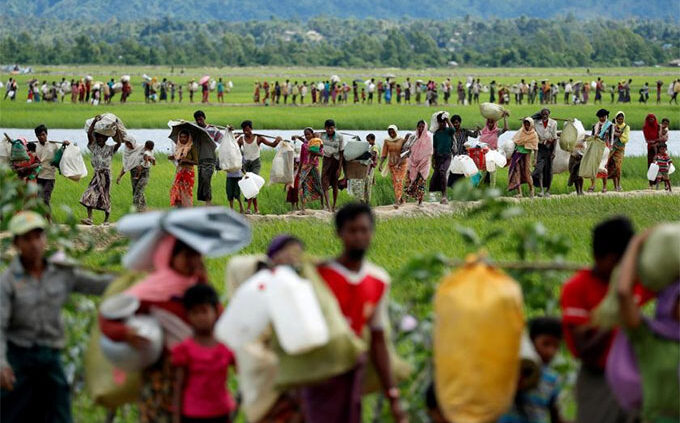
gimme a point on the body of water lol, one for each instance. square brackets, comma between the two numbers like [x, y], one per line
[636, 145]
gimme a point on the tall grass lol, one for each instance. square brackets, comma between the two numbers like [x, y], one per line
[272, 197]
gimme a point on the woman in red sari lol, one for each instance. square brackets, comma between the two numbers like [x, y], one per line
[651, 132]
[186, 157]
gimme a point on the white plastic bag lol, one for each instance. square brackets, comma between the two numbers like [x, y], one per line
[494, 160]
[671, 169]
[283, 170]
[246, 316]
[72, 164]
[463, 165]
[354, 149]
[295, 312]
[228, 153]
[653, 172]
[250, 185]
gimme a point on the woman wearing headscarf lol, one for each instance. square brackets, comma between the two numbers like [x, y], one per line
[132, 162]
[603, 130]
[526, 142]
[489, 136]
[391, 151]
[420, 154]
[651, 130]
[309, 178]
[621, 136]
[177, 267]
[186, 157]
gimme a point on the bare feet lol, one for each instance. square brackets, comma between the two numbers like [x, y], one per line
[86, 221]
[444, 201]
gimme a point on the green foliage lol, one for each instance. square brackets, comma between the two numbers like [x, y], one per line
[326, 41]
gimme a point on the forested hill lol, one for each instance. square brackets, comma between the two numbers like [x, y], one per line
[351, 42]
[244, 10]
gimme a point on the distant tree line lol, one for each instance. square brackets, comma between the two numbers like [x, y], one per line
[343, 42]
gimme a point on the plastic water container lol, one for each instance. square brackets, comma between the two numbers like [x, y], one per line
[495, 160]
[652, 172]
[250, 185]
[295, 312]
[126, 357]
[246, 316]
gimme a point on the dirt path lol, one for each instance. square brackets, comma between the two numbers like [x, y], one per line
[436, 209]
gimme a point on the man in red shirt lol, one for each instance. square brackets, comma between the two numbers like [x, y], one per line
[580, 296]
[361, 289]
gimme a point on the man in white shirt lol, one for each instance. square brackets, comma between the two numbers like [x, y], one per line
[546, 129]
[567, 91]
[45, 151]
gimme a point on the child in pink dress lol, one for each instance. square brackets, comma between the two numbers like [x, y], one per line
[202, 363]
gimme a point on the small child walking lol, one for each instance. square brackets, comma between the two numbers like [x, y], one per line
[200, 389]
[538, 403]
[664, 161]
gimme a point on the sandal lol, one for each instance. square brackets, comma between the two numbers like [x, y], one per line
[86, 221]
[444, 201]
[591, 189]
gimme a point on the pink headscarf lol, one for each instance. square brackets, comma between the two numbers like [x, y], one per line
[164, 283]
[421, 153]
[490, 136]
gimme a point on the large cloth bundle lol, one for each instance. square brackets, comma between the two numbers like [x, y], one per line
[590, 163]
[72, 164]
[355, 149]
[283, 165]
[478, 327]
[491, 111]
[572, 133]
[107, 386]
[560, 161]
[659, 262]
[229, 154]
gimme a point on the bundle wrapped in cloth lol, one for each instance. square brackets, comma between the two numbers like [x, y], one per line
[478, 328]
[315, 145]
[111, 126]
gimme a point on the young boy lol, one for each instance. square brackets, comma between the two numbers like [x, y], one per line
[539, 403]
[233, 190]
[148, 158]
[580, 295]
[664, 161]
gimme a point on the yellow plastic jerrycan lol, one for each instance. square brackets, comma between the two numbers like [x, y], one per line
[477, 331]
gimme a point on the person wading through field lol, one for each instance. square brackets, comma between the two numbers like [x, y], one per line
[393, 146]
[333, 148]
[362, 291]
[97, 196]
[45, 152]
[206, 159]
[250, 144]
[442, 142]
[33, 290]
[547, 135]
